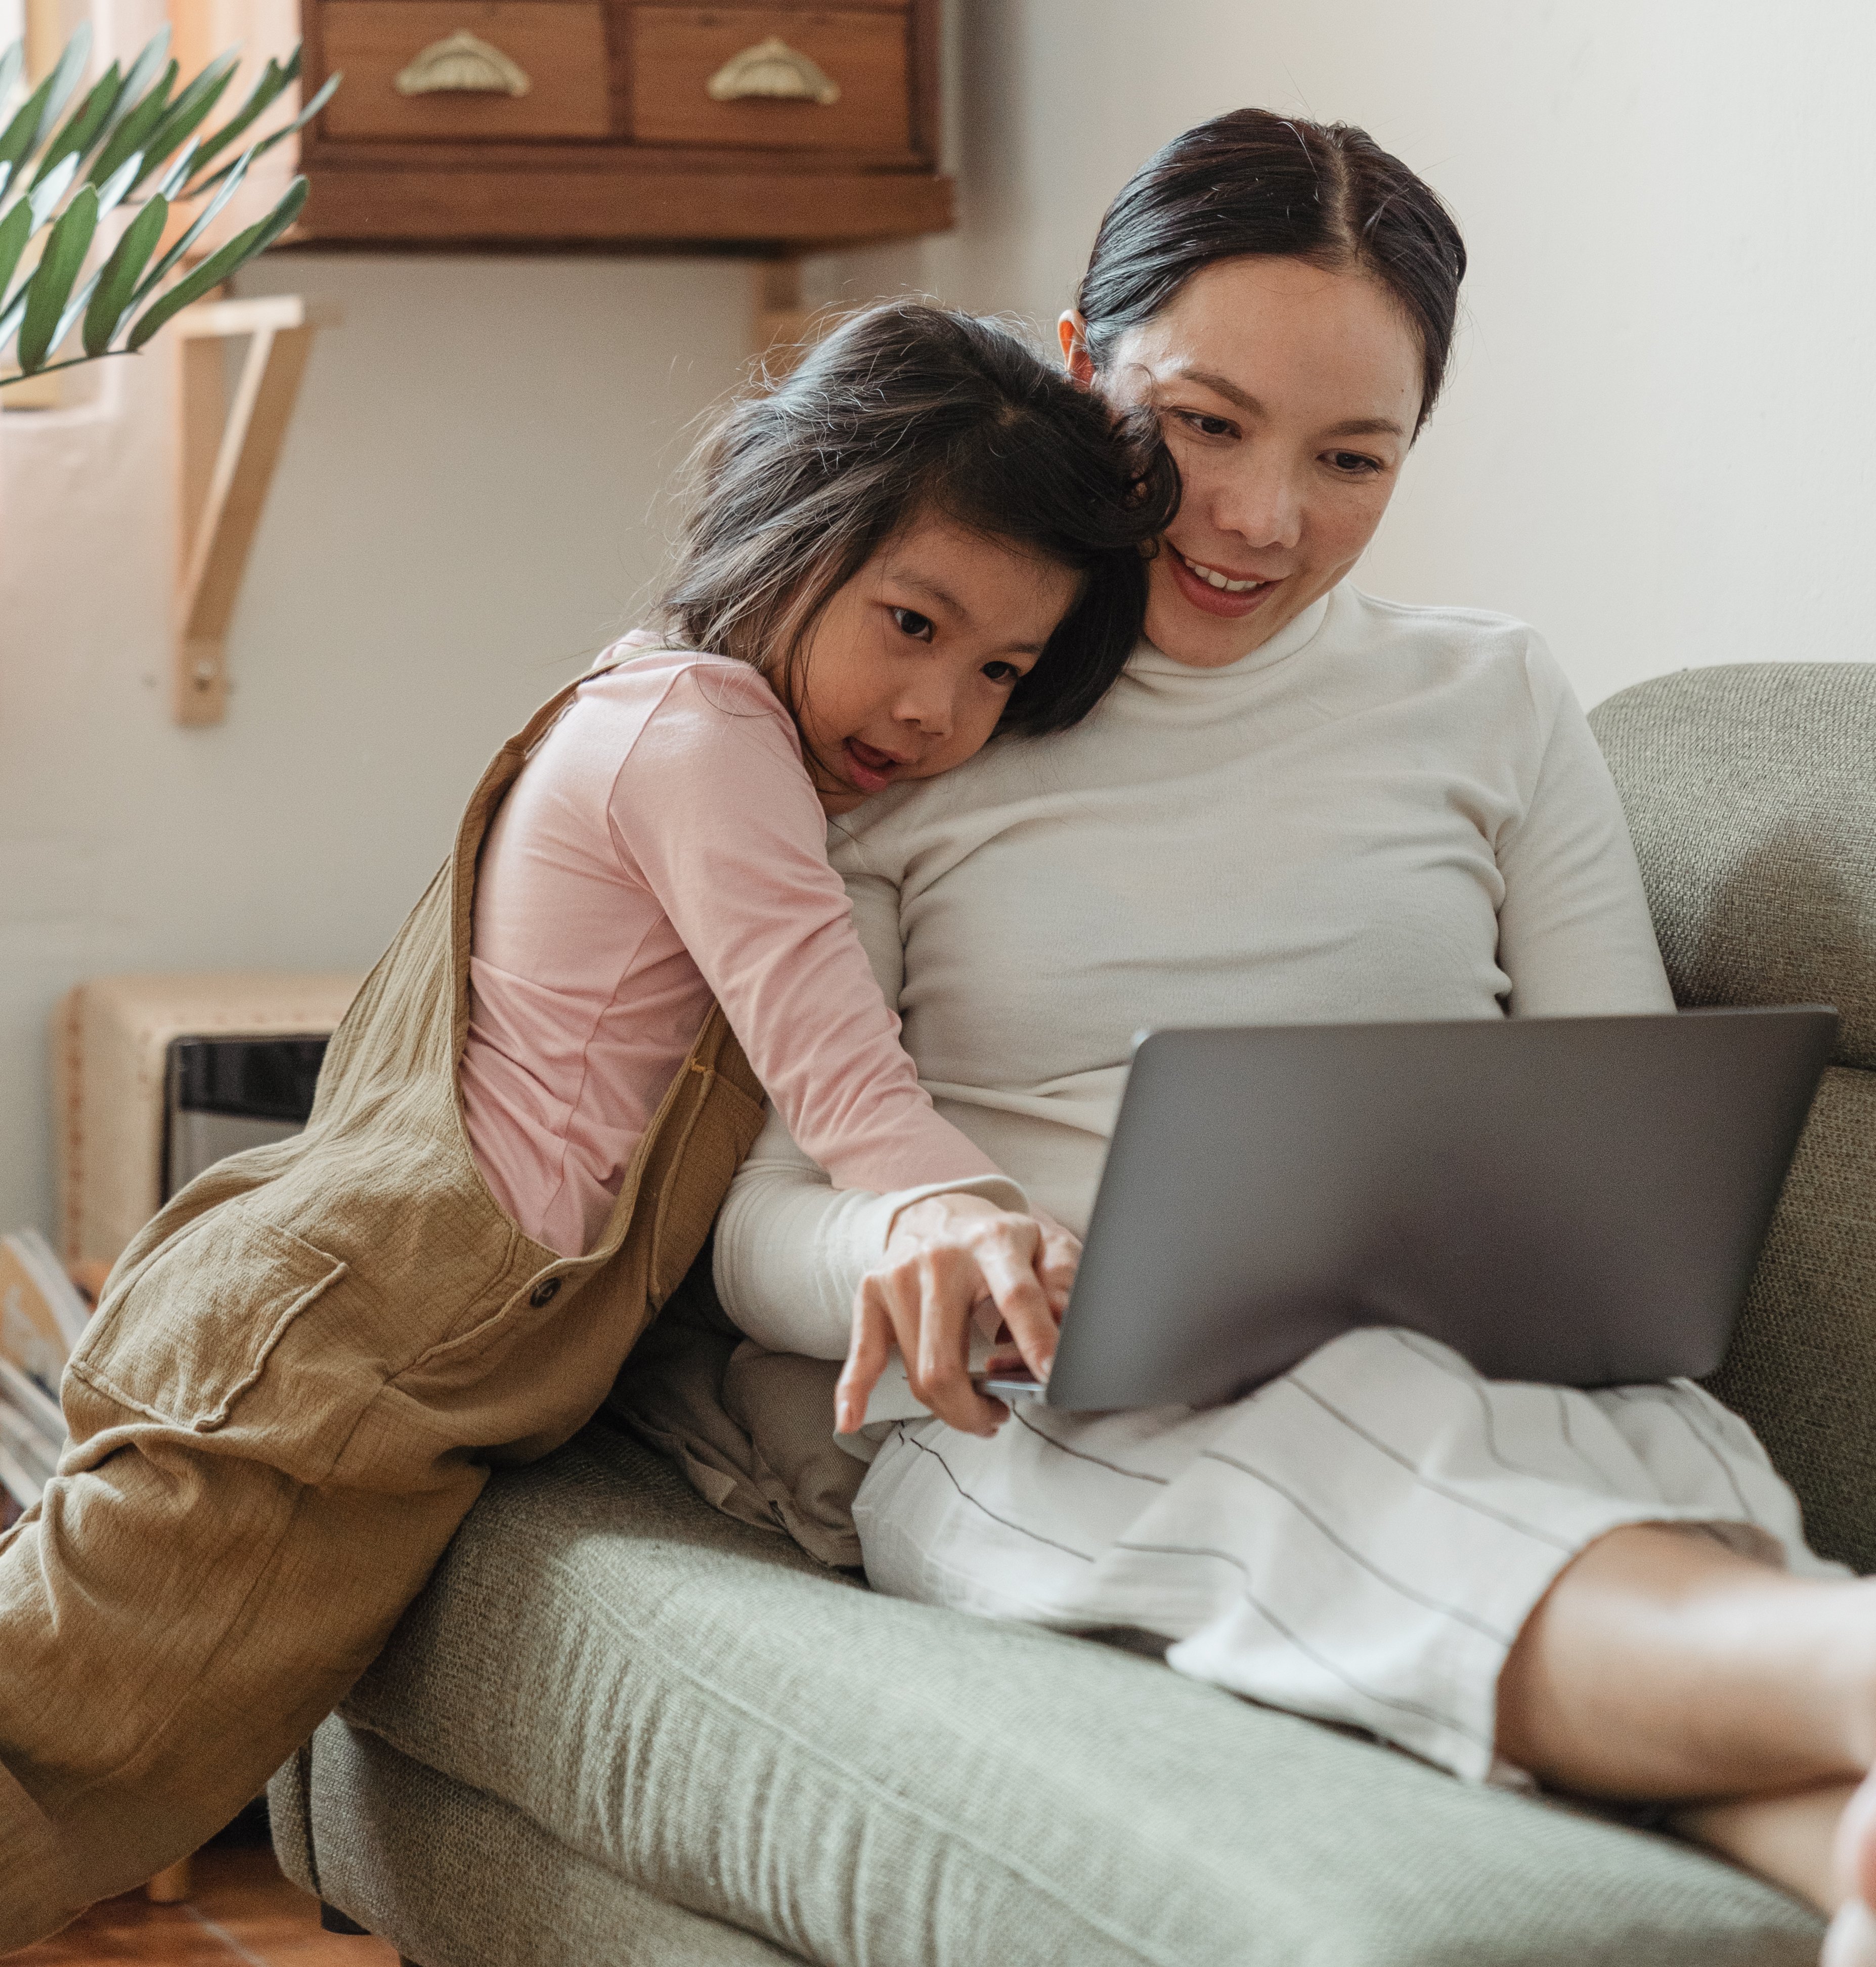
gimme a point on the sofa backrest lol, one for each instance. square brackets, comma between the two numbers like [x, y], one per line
[1750, 794]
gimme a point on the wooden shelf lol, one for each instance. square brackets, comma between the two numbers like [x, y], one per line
[656, 152]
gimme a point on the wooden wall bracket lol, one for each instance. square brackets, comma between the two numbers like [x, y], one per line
[227, 463]
[781, 327]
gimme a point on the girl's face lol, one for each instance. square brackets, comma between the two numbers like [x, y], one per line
[1288, 395]
[912, 663]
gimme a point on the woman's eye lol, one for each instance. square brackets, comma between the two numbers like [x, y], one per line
[1003, 673]
[1195, 420]
[909, 621]
[1354, 464]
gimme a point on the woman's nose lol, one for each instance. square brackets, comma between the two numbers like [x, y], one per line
[1262, 504]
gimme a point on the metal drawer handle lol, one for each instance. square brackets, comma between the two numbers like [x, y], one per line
[772, 68]
[462, 65]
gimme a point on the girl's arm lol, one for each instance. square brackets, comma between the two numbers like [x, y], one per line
[712, 811]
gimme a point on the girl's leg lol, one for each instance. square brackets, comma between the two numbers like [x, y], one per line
[1662, 1665]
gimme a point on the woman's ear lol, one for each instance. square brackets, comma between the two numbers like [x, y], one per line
[1071, 331]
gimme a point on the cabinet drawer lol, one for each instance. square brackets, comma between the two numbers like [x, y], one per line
[558, 47]
[716, 75]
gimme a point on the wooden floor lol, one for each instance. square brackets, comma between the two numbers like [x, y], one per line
[240, 1909]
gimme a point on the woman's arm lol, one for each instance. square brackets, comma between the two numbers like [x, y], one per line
[802, 1266]
[1574, 934]
[792, 1253]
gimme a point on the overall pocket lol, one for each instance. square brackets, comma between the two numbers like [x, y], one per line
[192, 1330]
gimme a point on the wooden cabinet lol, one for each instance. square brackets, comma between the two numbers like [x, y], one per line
[510, 124]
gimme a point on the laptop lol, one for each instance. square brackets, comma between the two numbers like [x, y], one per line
[1577, 1201]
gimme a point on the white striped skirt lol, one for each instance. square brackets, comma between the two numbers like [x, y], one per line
[1360, 1541]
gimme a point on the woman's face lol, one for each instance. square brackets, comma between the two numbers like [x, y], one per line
[1288, 395]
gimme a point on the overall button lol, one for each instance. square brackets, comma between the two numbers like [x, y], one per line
[544, 1293]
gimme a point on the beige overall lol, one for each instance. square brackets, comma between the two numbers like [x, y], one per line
[289, 1396]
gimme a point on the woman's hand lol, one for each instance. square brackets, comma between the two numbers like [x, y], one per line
[947, 1256]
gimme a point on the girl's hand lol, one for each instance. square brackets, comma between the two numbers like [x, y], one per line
[947, 1256]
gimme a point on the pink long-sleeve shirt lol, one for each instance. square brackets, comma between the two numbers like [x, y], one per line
[664, 846]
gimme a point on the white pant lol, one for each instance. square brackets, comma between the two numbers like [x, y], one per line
[1361, 1540]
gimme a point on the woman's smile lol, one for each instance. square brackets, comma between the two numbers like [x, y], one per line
[1215, 589]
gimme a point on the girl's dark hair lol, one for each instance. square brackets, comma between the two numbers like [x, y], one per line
[1253, 182]
[904, 411]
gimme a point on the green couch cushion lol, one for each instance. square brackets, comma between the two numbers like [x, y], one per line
[1751, 799]
[700, 1710]
[1750, 794]
[1802, 1366]
[453, 1877]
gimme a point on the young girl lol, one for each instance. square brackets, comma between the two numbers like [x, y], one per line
[301, 1369]
[956, 554]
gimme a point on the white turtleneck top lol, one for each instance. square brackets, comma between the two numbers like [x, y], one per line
[1385, 812]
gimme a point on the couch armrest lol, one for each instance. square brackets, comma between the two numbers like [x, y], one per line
[1802, 1368]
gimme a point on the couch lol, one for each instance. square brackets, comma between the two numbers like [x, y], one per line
[622, 1730]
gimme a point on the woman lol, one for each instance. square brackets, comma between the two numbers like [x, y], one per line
[1300, 803]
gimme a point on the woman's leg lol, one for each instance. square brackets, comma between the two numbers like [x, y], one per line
[1663, 1665]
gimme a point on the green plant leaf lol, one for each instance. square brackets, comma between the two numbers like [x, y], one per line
[112, 192]
[204, 220]
[54, 277]
[177, 175]
[12, 61]
[219, 265]
[136, 125]
[144, 71]
[190, 109]
[279, 136]
[22, 133]
[261, 98]
[87, 123]
[110, 304]
[58, 85]
[76, 306]
[36, 114]
[15, 229]
[42, 199]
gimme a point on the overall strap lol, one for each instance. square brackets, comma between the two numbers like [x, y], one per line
[543, 719]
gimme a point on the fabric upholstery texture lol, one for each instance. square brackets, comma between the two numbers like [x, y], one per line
[1802, 1367]
[448, 1873]
[1751, 793]
[697, 1711]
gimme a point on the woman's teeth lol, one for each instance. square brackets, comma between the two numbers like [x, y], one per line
[1217, 579]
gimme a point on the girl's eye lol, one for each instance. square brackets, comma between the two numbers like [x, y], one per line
[1354, 464]
[909, 621]
[1003, 673]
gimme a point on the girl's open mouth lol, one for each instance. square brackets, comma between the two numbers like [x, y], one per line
[870, 769]
[1213, 591]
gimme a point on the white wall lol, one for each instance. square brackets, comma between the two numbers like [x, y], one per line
[1658, 445]
[462, 517]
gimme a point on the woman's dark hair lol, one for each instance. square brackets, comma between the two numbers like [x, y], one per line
[1252, 183]
[904, 411]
